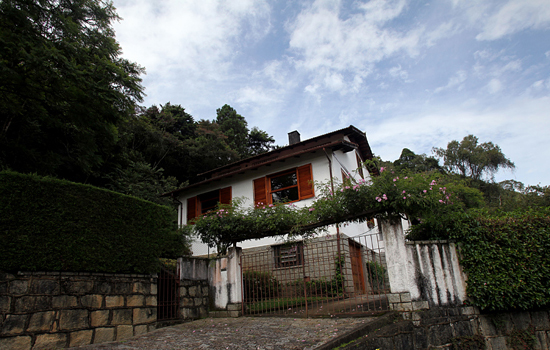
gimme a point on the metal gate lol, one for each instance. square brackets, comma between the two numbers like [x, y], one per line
[168, 294]
[324, 276]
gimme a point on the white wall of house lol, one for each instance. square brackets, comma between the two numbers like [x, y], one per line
[242, 186]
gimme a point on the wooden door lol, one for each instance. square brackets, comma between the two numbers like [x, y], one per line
[357, 267]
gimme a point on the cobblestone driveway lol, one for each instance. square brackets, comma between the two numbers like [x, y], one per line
[241, 333]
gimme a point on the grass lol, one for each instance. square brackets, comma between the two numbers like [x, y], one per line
[282, 303]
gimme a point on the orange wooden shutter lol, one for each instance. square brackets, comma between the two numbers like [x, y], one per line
[192, 209]
[225, 195]
[305, 181]
[260, 191]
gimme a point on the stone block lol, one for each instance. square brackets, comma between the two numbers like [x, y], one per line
[468, 310]
[3, 287]
[140, 329]
[73, 319]
[234, 307]
[64, 301]
[144, 315]
[497, 343]
[99, 318]
[41, 321]
[205, 291]
[19, 287]
[198, 301]
[45, 287]
[193, 291]
[394, 298]
[420, 338]
[135, 300]
[187, 302]
[151, 300]
[234, 313]
[440, 335]
[420, 305]
[153, 289]
[19, 343]
[32, 304]
[92, 301]
[403, 307]
[521, 320]
[139, 287]
[541, 340]
[114, 301]
[540, 320]
[50, 341]
[103, 335]
[78, 287]
[124, 332]
[80, 338]
[405, 297]
[122, 316]
[103, 287]
[14, 324]
[183, 291]
[5, 302]
[122, 288]
[203, 312]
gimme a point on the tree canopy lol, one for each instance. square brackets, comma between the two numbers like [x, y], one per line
[473, 159]
[63, 86]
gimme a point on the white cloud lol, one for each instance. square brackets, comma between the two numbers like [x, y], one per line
[454, 81]
[494, 86]
[514, 16]
[327, 44]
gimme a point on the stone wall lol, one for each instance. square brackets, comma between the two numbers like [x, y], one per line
[59, 309]
[193, 299]
[459, 328]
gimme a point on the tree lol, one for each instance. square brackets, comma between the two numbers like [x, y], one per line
[259, 142]
[416, 163]
[468, 158]
[64, 90]
[235, 127]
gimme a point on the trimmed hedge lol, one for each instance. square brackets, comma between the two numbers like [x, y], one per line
[506, 257]
[48, 224]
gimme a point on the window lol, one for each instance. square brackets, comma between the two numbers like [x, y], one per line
[288, 255]
[206, 202]
[287, 186]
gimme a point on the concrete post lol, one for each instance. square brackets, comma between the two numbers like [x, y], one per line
[234, 275]
[396, 255]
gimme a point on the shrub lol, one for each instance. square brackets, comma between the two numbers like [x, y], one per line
[377, 275]
[55, 225]
[260, 285]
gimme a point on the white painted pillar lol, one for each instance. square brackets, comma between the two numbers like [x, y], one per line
[396, 255]
[234, 275]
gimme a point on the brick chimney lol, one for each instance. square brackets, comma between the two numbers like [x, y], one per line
[293, 137]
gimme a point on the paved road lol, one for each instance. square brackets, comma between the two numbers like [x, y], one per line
[241, 333]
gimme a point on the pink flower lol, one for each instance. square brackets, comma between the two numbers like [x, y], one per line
[384, 197]
[311, 209]
[404, 197]
[394, 180]
[404, 191]
[271, 205]
[440, 201]
[424, 191]
[382, 169]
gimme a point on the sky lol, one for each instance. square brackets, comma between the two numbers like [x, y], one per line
[414, 74]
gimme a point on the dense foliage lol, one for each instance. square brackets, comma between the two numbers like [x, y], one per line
[505, 256]
[54, 225]
[389, 195]
[63, 86]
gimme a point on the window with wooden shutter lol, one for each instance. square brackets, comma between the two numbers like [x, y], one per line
[284, 187]
[206, 202]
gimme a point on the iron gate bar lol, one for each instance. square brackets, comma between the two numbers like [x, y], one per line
[168, 294]
[322, 284]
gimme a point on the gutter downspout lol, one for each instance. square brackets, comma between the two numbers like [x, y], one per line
[337, 225]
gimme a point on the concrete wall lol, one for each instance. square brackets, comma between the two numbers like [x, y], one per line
[428, 270]
[59, 309]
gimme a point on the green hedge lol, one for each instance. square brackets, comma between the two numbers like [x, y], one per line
[506, 256]
[48, 224]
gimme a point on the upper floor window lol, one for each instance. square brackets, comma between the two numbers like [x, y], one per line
[288, 255]
[203, 203]
[287, 186]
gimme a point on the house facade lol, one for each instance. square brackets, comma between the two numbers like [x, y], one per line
[292, 173]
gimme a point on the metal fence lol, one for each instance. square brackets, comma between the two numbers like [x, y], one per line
[168, 294]
[324, 276]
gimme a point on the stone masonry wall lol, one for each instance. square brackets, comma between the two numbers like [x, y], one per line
[45, 310]
[193, 299]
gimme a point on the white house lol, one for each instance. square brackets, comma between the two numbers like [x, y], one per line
[287, 172]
